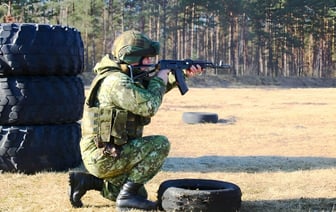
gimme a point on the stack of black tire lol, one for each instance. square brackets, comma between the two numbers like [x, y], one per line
[41, 97]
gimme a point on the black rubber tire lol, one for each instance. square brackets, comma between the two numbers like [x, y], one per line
[35, 148]
[199, 195]
[40, 49]
[199, 117]
[29, 100]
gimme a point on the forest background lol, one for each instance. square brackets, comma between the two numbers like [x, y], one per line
[276, 38]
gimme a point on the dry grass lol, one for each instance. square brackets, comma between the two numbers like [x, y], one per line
[278, 145]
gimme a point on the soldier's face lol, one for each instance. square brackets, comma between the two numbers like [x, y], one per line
[147, 60]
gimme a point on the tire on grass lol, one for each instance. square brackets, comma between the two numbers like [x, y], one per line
[199, 195]
[35, 148]
[199, 117]
[29, 100]
[40, 49]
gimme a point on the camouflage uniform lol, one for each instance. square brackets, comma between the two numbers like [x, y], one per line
[114, 92]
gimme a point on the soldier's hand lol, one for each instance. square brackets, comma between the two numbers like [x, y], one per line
[112, 150]
[194, 70]
[163, 74]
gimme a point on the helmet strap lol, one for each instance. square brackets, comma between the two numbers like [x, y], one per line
[130, 68]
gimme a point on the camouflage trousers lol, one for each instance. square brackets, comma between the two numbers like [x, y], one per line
[141, 159]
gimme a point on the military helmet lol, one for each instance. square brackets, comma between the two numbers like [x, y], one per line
[131, 46]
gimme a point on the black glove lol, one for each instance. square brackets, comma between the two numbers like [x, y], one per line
[112, 150]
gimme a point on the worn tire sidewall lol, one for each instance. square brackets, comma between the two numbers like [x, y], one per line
[212, 195]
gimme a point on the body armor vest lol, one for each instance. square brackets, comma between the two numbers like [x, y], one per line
[110, 124]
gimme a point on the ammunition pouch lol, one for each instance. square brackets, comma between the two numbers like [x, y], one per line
[119, 127]
[112, 125]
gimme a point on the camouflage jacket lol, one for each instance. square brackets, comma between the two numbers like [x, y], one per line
[116, 107]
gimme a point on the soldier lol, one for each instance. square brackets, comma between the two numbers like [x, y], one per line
[118, 159]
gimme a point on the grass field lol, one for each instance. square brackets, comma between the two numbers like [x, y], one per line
[277, 145]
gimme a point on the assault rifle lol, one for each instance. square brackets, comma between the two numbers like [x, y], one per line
[177, 67]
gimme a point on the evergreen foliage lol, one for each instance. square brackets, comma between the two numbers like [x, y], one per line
[256, 37]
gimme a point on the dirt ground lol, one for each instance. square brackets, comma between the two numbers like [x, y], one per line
[277, 143]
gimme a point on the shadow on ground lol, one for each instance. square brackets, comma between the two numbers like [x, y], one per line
[297, 205]
[250, 164]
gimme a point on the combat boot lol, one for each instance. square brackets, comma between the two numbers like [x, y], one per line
[129, 198]
[80, 183]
